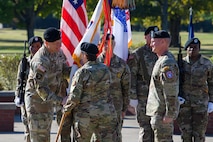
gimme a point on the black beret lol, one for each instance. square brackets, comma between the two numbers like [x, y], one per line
[160, 34]
[151, 28]
[108, 36]
[192, 41]
[35, 39]
[89, 48]
[52, 34]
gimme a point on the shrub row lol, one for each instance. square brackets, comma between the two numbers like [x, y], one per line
[8, 70]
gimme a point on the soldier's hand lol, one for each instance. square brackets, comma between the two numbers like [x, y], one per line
[181, 100]
[167, 119]
[133, 103]
[17, 102]
[210, 107]
[68, 106]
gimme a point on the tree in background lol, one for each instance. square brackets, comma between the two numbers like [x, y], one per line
[167, 14]
[171, 14]
[22, 13]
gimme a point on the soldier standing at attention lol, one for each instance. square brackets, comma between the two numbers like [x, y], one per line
[197, 88]
[43, 85]
[35, 44]
[90, 99]
[120, 85]
[141, 62]
[162, 103]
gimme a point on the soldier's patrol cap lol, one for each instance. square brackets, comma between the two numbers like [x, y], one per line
[192, 41]
[89, 48]
[160, 34]
[151, 28]
[52, 34]
[35, 39]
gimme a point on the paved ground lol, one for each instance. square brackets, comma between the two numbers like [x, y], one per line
[129, 131]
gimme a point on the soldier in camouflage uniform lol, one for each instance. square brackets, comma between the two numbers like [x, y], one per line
[43, 85]
[141, 62]
[68, 121]
[162, 102]
[197, 88]
[35, 44]
[120, 86]
[90, 99]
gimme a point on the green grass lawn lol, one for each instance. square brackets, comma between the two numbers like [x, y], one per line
[12, 41]
[205, 38]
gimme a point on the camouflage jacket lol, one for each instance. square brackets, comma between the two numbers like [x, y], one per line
[164, 88]
[120, 86]
[139, 84]
[46, 75]
[197, 81]
[89, 92]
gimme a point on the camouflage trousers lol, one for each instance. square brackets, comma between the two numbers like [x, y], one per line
[95, 129]
[163, 132]
[146, 133]
[66, 128]
[192, 122]
[40, 126]
[119, 127]
[25, 122]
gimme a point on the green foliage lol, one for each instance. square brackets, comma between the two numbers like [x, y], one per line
[8, 71]
[211, 59]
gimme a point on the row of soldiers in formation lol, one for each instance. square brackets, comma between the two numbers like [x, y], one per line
[98, 95]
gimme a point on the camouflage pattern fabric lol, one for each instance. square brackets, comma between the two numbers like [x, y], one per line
[162, 99]
[120, 87]
[68, 121]
[43, 86]
[162, 131]
[93, 111]
[66, 128]
[140, 88]
[197, 92]
[23, 110]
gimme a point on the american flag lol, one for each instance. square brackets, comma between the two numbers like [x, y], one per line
[73, 25]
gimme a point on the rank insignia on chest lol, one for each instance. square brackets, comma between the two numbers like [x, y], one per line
[119, 75]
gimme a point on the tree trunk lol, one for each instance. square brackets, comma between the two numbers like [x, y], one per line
[164, 15]
[175, 30]
[30, 28]
[30, 23]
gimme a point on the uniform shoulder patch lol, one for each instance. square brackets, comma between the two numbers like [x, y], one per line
[169, 74]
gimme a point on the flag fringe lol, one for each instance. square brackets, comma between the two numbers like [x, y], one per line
[124, 4]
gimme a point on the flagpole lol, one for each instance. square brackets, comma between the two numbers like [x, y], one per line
[191, 28]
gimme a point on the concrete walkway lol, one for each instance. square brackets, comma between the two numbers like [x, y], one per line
[129, 132]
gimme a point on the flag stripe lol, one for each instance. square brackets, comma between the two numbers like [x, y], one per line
[69, 33]
[80, 12]
[73, 26]
[71, 17]
[71, 23]
[68, 43]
